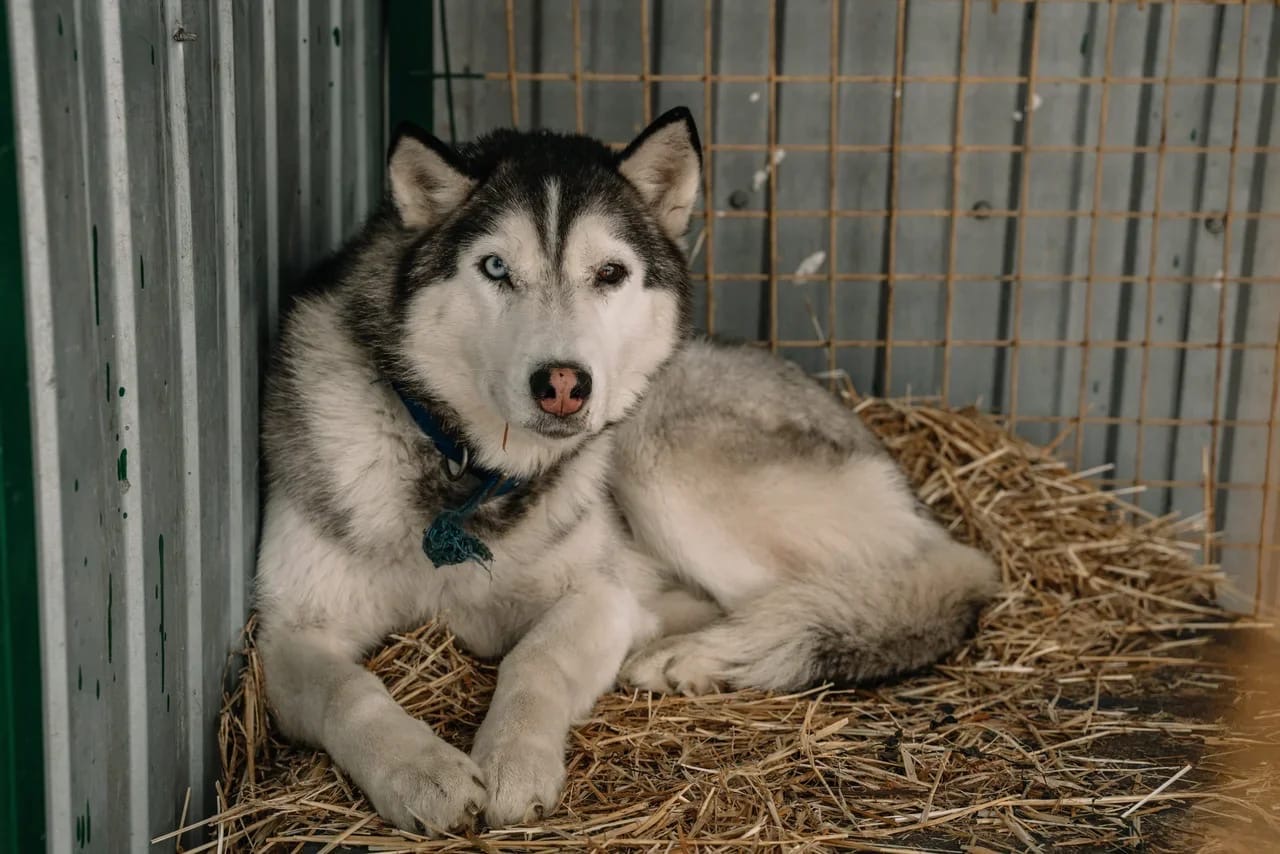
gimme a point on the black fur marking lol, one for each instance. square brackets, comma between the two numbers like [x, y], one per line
[851, 655]
[435, 257]
[409, 129]
[511, 170]
[675, 114]
[496, 517]
[290, 458]
[289, 453]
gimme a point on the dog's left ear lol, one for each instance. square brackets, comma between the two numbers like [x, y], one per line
[427, 182]
[665, 164]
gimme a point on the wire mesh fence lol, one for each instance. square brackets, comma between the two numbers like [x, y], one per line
[1063, 211]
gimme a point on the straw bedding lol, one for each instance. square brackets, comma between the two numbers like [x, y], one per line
[1097, 708]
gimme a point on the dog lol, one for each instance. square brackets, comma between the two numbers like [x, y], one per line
[487, 410]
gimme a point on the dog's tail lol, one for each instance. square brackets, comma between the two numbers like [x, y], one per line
[904, 618]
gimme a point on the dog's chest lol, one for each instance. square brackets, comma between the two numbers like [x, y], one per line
[549, 543]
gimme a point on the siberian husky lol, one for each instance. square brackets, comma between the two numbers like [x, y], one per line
[503, 342]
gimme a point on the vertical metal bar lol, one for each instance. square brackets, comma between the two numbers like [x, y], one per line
[1228, 220]
[302, 138]
[22, 759]
[1157, 207]
[577, 66]
[833, 175]
[360, 111]
[37, 243]
[1206, 478]
[408, 30]
[182, 259]
[271, 166]
[708, 166]
[956, 157]
[378, 43]
[1094, 222]
[512, 88]
[645, 94]
[1268, 567]
[119, 214]
[1024, 195]
[339, 118]
[448, 73]
[771, 168]
[239, 488]
[895, 168]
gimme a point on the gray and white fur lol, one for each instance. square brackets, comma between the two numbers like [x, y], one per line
[754, 486]
[523, 289]
[707, 510]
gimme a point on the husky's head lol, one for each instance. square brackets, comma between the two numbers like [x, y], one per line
[546, 282]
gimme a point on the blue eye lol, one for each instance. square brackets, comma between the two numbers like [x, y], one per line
[495, 268]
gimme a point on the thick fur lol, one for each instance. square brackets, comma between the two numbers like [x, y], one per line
[754, 535]
[352, 482]
[755, 486]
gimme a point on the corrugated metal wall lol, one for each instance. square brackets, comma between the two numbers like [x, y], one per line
[180, 161]
[982, 180]
[1063, 209]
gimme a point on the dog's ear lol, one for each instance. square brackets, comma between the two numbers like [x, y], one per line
[665, 164]
[425, 176]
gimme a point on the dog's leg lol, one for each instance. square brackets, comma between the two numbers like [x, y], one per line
[323, 696]
[680, 610]
[549, 680]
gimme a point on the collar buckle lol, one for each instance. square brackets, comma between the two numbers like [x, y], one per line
[455, 469]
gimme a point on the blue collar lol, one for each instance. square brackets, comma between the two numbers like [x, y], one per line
[457, 455]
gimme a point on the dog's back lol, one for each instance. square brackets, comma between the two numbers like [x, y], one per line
[756, 485]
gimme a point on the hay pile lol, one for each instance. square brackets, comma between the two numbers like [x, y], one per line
[1092, 711]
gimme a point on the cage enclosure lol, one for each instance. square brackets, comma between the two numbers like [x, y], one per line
[1061, 213]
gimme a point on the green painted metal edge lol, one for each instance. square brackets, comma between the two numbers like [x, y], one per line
[22, 822]
[410, 72]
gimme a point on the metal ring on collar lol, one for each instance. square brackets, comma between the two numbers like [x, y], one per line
[461, 468]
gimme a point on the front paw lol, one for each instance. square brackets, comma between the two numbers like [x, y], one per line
[426, 786]
[671, 665]
[525, 778]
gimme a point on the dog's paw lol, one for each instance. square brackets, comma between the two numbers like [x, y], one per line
[428, 787]
[525, 778]
[672, 665]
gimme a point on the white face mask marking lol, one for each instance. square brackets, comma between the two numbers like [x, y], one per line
[516, 305]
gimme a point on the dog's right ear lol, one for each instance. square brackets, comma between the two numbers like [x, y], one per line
[427, 181]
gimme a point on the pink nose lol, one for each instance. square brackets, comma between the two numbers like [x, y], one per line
[560, 389]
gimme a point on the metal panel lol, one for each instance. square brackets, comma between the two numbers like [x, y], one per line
[22, 771]
[153, 140]
[1064, 211]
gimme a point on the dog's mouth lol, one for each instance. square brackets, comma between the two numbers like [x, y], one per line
[557, 427]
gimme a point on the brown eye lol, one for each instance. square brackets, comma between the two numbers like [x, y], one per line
[610, 274]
